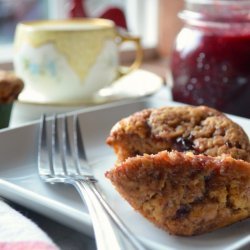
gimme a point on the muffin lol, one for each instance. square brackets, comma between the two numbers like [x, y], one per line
[186, 169]
[183, 193]
[201, 130]
[10, 88]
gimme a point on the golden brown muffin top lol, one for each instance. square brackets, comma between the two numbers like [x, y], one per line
[199, 129]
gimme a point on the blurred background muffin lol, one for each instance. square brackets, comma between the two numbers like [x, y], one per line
[10, 88]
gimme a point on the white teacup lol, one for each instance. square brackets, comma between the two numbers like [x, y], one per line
[68, 61]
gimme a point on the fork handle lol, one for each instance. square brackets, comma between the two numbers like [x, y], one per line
[107, 229]
[105, 235]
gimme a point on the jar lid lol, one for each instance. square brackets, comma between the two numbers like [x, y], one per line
[227, 11]
[220, 2]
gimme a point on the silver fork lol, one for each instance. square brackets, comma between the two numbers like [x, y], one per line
[62, 158]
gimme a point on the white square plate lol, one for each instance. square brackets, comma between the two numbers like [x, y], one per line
[20, 181]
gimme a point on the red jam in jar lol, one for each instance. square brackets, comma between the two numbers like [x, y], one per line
[210, 64]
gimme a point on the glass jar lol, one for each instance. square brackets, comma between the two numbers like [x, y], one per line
[210, 63]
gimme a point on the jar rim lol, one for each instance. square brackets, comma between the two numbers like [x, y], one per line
[196, 19]
[221, 2]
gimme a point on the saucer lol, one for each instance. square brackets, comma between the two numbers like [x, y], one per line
[139, 83]
[136, 84]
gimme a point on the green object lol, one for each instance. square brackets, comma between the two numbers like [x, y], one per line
[5, 112]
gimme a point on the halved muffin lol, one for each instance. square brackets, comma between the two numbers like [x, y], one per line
[183, 193]
[201, 130]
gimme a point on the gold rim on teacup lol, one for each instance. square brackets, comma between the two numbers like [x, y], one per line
[56, 25]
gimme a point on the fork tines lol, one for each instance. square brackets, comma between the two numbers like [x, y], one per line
[61, 149]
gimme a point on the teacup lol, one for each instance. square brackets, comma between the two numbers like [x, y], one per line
[68, 61]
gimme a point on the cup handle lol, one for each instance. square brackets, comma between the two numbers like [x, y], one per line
[124, 37]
